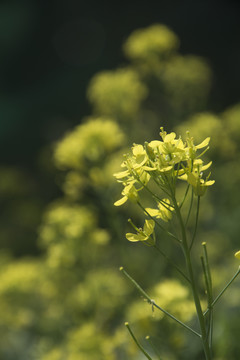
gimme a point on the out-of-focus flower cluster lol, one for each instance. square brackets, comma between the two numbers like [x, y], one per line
[157, 42]
[117, 93]
[88, 143]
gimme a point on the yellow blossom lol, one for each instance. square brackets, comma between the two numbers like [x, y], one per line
[129, 192]
[143, 234]
[163, 212]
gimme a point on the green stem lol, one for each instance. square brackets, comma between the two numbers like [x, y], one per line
[152, 302]
[190, 208]
[193, 284]
[196, 222]
[174, 318]
[223, 291]
[153, 347]
[208, 283]
[136, 342]
[155, 195]
[185, 196]
[162, 187]
[208, 272]
[172, 263]
[158, 224]
[211, 330]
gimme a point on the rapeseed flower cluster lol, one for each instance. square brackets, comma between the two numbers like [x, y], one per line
[163, 162]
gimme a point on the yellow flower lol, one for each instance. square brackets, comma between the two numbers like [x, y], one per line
[191, 149]
[164, 161]
[139, 156]
[136, 168]
[237, 254]
[199, 185]
[195, 179]
[168, 152]
[144, 234]
[163, 212]
[129, 192]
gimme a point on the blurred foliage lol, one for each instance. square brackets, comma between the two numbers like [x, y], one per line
[71, 302]
[21, 210]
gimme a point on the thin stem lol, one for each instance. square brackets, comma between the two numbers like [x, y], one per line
[134, 226]
[150, 191]
[210, 293]
[166, 205]
[162, 253]
[209, 277]
[156, 196]
[185, 196]
[223, 291]
[174, 318]
[153, 347]
[158, 224]
[136, 342]
[176, 173]
[172, 263]
[211, 330]
[171, 186]
[161, 186]
[205, 278]
[208, 283]
[190, 208]
[137, 177]
[152, 302]
[135, 284]
[193, 283]
[202, 153]
[196, 222]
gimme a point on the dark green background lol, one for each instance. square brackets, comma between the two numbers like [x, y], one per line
[49, 50]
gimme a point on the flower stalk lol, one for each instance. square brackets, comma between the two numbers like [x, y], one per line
[137, 342]
[164, 163]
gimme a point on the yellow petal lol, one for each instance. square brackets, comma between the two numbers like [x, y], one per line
[132, 237]
[138, 150]
[165, 169]
[121, 174]
[237, 254]
[152, 212]
[205, 167]
[203, 143]
[183, 177]
[192, 179]
[209, 182]
[197, 162]
[121, 201]
[148, 168]
[169, 137]
[155, 143]
[136, 237]
[149, 226]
